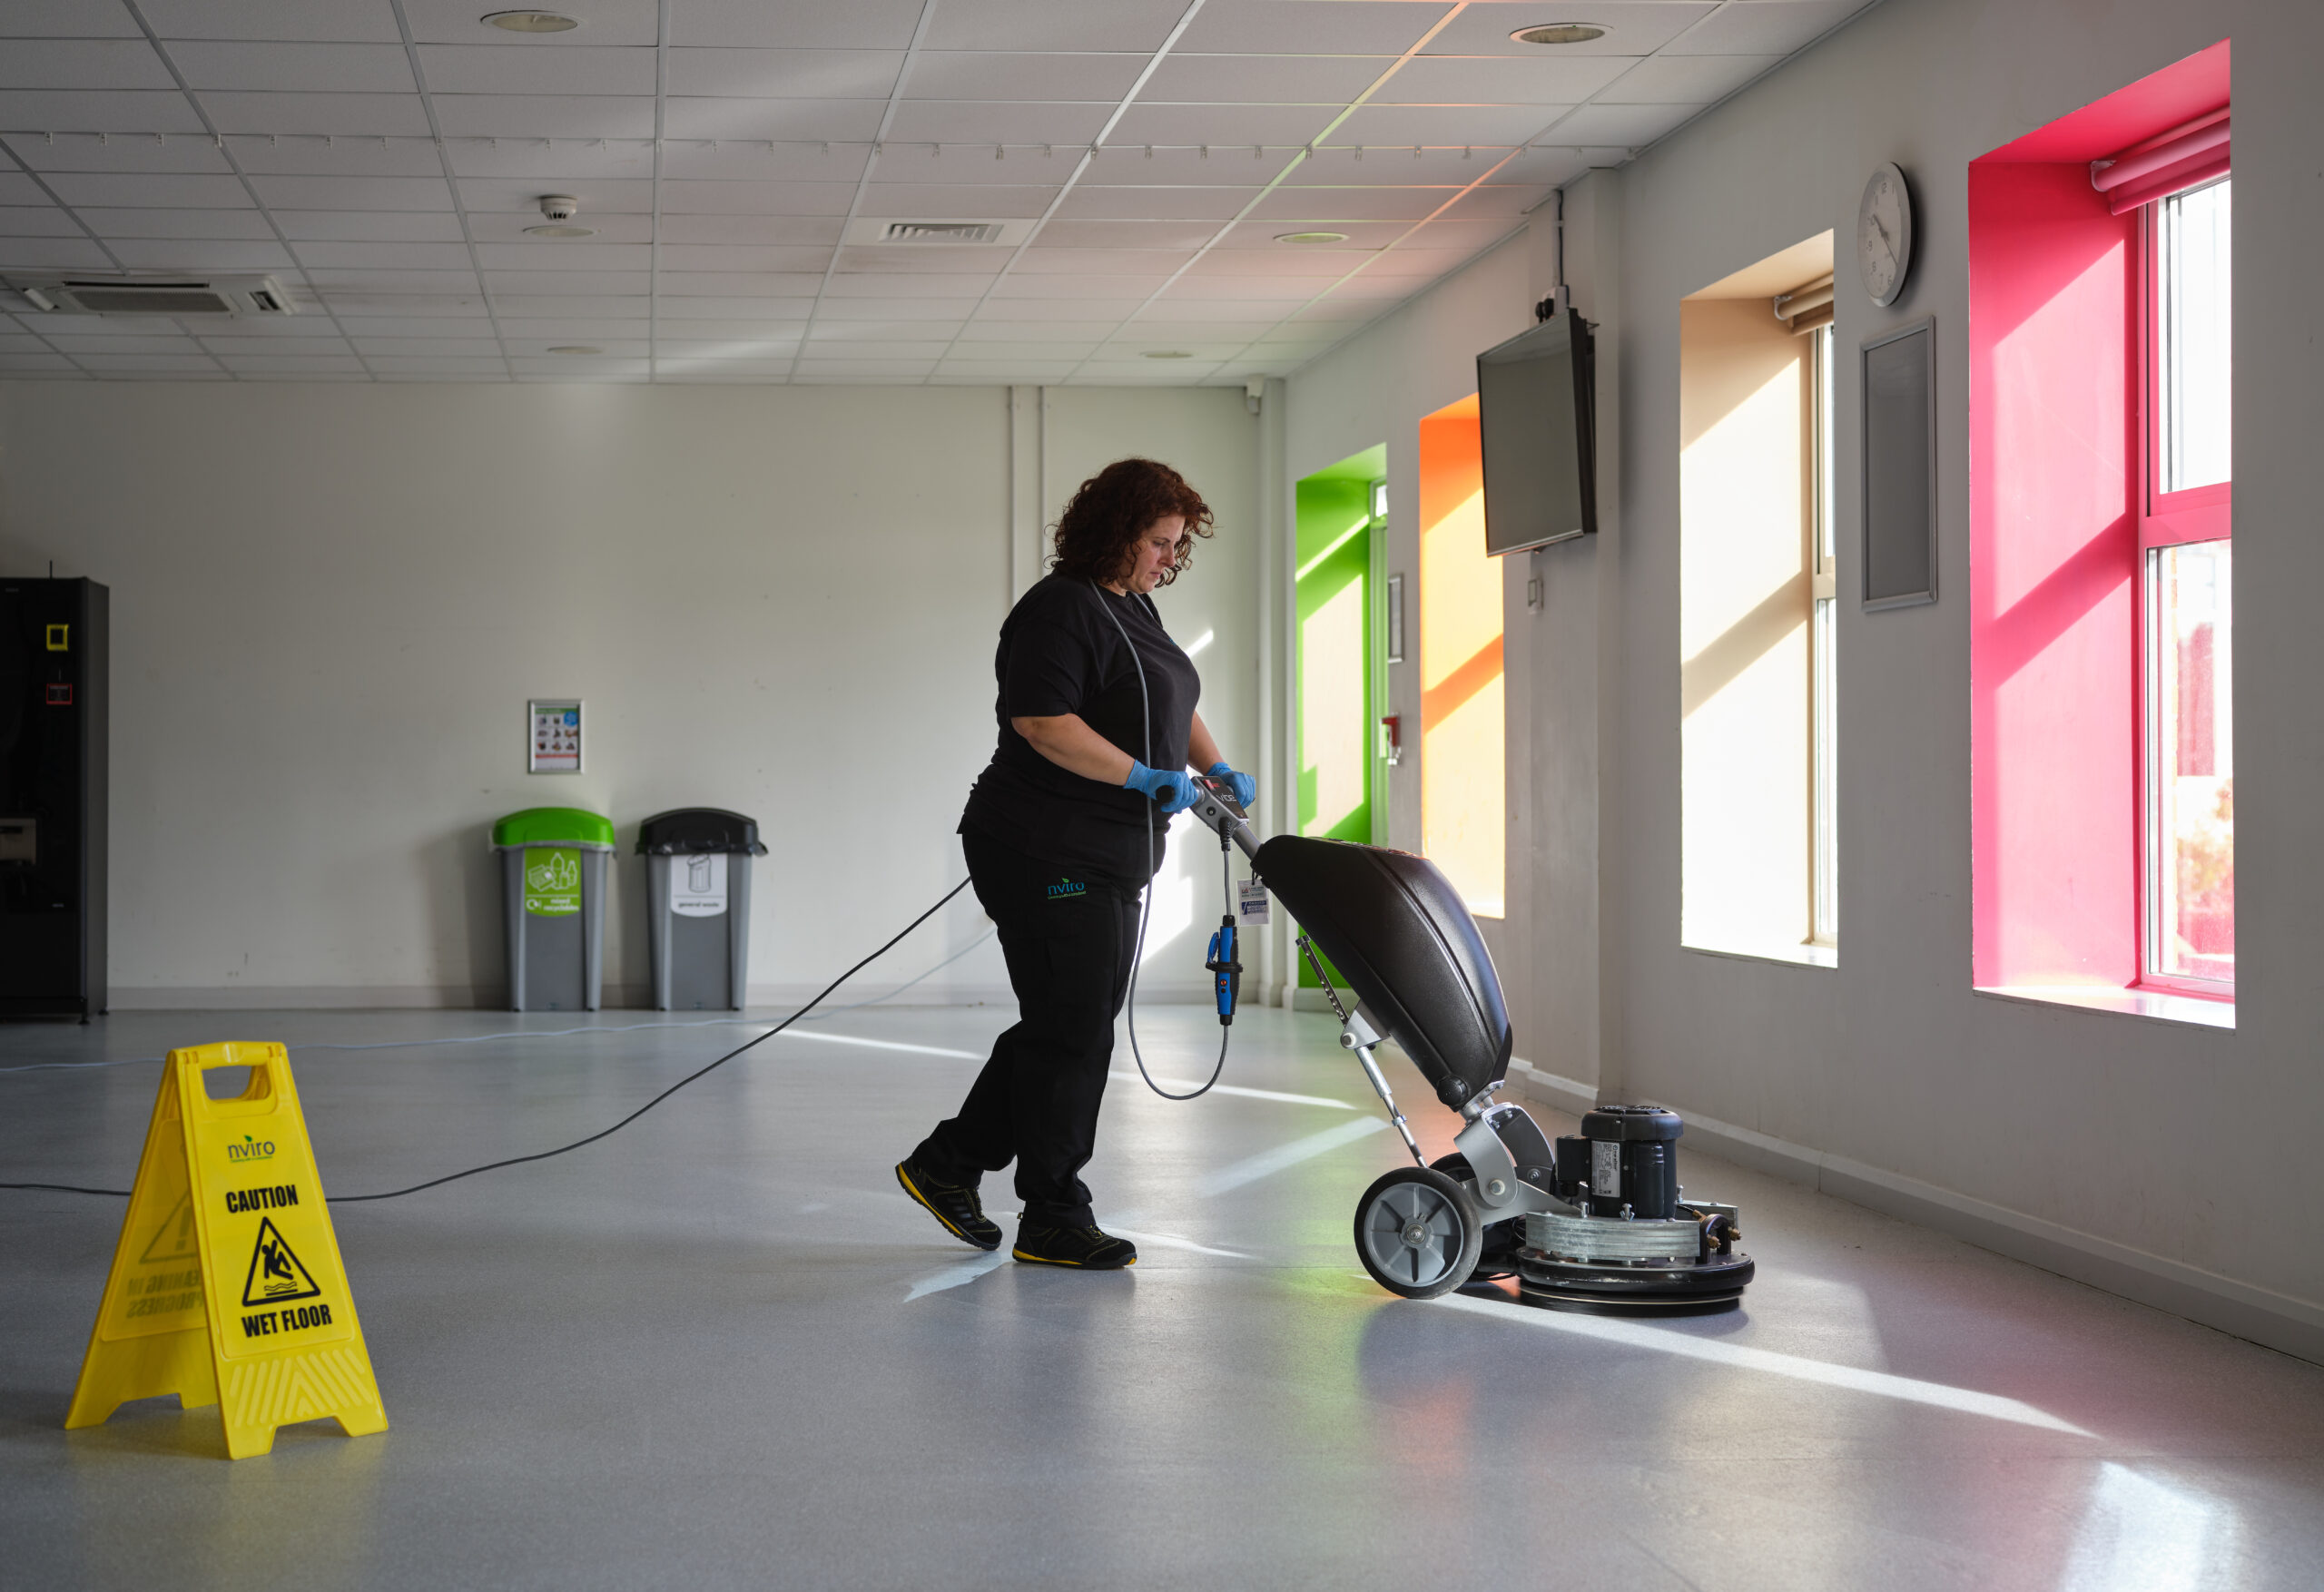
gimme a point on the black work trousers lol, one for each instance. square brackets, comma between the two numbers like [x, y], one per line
[1069, 937]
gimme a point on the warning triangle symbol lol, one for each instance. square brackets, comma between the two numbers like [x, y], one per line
[174, 1239]
[275, 1274]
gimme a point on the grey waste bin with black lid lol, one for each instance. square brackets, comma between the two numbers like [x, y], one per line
[698, 906]
[553, 866]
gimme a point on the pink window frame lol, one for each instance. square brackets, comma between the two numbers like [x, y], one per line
[2165, 519]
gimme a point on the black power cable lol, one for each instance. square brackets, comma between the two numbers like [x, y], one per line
[543, 1155]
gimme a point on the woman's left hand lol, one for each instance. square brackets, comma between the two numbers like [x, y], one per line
[1245, 789]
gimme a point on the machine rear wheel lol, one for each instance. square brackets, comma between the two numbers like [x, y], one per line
[1497, 1257]
[1417, 1233]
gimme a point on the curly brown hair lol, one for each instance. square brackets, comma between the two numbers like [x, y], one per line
[1113, 509]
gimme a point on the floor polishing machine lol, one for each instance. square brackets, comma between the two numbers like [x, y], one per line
[1594, 1222]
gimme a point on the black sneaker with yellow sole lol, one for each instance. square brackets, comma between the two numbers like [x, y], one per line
[1085, 1247]
[958, 1208]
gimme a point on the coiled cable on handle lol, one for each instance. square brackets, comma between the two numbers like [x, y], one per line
[1153, 865]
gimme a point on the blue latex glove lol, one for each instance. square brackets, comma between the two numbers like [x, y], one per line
[1246, 789]
[1175, 790]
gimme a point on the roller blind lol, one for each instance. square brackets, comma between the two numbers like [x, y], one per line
[2186, 156]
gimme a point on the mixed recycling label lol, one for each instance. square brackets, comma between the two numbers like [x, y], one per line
[698, 885]
[552, 880]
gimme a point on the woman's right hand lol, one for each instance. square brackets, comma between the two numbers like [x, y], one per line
[1174, 788]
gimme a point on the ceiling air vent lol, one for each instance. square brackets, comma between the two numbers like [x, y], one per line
[910, 233]
[149, 296]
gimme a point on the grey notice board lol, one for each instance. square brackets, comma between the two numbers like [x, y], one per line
[1900, 467]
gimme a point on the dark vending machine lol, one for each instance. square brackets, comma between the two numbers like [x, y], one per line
[53, 640]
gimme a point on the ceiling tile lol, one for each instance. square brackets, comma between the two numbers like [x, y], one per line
[521, 196]
[331, 156]
[336, 285]
[831, 199]
[1466, 236]
[437, 363]
[908, 308]
[37, 221]
[394, 226]
[359, 311]
[359, 20]
[77, 343]
[564, 255]
[603, 23]
[1623, 126]
[1262, 80]
[1295, 27]
[70, 19]
[1288, 125]
[969, 122]
[537, 348]
[1060, 290]
[498, 283]
[1492, 200]
[1064, 234]
[315, 67]
[890, 330]
[994, 75]
[870, 369]
[490, 69]
[1019, 370]
[1069, 332]
[939, 203]
[1260, 235]
[735, 257]
[1285, 260]
[1182, 306]
[727, 284]
[288, 363]
[1102, 261]
[381, 256]
[700, 331]
[1043, 24]
[1695, 80]
[80, 63]
[1767, 27]
[1552, 167]
[710, 307]
[1227, 165]
[603, 330]
[343, 115]
[545, 115]
[1633, 27]
[760, 163]
[355, 374]
[811, 25]
[85, 151]
[771, 119]
[347, 193]
[748, 229]
[1092, 202]
[333, 344]
[1324, 205]
[1249, 289]
[146, 364]
[125, 187]
[1444, 126]
[1501, 80]
[816, 74]
[1347, 167]
[139, 326]
[123, 113]
[1074, 310]
[893, 284]
[872, 348]
[52, 254]
[155, 222]
[595, 307]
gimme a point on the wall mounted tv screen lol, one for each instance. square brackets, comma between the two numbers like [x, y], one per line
[1537, 410]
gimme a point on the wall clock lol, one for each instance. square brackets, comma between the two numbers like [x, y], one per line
[1883, 234]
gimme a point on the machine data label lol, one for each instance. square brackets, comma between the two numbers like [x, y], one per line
[1605, 1170]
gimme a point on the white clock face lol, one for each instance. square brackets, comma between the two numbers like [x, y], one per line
[1884, 235]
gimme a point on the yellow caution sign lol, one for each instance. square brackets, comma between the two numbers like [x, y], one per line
[227, 1286]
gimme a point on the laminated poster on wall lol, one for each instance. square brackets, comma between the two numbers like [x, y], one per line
[698, 885]
[554, 738]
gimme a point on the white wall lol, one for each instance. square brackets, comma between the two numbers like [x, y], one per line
[330, 604]
[2170, 1162]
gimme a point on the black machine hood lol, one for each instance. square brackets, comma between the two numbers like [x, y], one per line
[1395, 928]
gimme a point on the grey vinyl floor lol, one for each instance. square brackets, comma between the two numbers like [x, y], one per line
[720, 1348]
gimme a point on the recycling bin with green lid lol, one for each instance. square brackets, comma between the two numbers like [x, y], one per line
[552, 860]
[698, 906]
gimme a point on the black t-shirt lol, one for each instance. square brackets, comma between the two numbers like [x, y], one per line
[1060, 653]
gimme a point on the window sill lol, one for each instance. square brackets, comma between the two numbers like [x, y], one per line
[1789, 955]
[2160, 1005]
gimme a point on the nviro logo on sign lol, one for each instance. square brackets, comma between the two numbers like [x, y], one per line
[698, 885]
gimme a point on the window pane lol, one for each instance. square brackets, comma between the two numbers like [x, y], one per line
[2198, 320]
[2190, 875]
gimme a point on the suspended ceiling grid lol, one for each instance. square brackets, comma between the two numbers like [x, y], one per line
[382, 159]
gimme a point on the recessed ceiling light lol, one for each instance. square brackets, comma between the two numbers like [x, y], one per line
[1311, 237]
[560, 232]
[531, 21]
[1166, 354]
[1559, 32]
[576, 348]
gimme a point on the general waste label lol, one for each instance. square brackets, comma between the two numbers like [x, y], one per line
[698, 885]
[552, 881]
[227, 1285]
